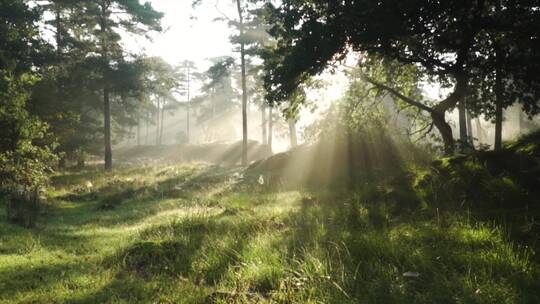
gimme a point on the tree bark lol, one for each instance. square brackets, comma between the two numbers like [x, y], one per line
[106, 97]
[188, 136]
[157, 121]
[188, 105]
[463, 141]
[130, 130]
[146, 127]
[138, 129]
[161, 126]
[107, 127]
[270, 127]
[446, 132]
[244, 88]
[479, 131]
[470, 135]
[498, 123]
[263, 125]
[292, 132]
[498, 107]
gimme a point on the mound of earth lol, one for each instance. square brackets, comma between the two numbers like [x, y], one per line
[218, 153]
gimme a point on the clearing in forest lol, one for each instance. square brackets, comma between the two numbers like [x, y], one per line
[205, 234]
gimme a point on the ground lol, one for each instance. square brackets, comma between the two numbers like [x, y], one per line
[201, 233]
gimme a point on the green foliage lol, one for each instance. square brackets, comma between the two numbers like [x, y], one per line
[25, 150]
[442, 44]
[486, 179]
[18, 36]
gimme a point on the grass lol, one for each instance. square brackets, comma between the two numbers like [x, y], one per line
[202, 234]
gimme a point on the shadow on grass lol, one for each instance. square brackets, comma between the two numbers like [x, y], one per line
[127, 202]
[371, 255]
[18, 280]
[199, 250]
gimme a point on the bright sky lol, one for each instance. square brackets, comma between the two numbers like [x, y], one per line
[190, 34]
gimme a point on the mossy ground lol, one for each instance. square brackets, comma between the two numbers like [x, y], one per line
[202, 234]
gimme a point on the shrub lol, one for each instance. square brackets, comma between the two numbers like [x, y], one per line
[25, 151]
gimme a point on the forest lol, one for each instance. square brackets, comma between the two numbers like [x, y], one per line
[269, 151]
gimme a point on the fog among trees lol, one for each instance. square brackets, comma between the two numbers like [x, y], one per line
[260, 151]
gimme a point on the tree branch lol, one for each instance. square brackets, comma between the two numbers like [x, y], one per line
[399, 95]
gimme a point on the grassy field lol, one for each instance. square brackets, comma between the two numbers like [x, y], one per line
[202, 234]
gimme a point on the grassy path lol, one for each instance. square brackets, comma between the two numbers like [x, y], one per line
[197, 234]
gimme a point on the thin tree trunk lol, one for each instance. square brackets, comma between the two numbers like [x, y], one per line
[161, 127]
[479, 131]
[292, 133]
[157, 121]
[520, 121]
[263, 125]
[498, 107]
[470, 135]
[146, 125]
[138, 129]
[107, 127]
[244, 88]
[59, 49]
[270, 127]
[188, 135]
[462, 125]
[130, 131]
[106, 97]
[59, 85]
[498, 125]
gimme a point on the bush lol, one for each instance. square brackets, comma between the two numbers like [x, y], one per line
[25, 152]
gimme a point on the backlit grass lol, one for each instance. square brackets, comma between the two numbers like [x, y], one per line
[202, 234]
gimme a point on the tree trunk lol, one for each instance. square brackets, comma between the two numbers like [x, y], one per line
[263, 125]
[292, 133]
[520, 121]
[498, 110]
[138, 130]
[469, 130]
[498, 125]
[107, 127]
[146, 127]
[130, 130]
[244, 88]
[161, 127]
[446, 132]
[479, 131]
[438, 111]
[59, 50]
[157, 121]
[462, 125]
[188, 136]
[106, 97]
[270, 127]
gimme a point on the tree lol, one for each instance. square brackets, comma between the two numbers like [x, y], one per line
[438, 39]
[244, 88]
[25, 145]
[104, 20]
[219, 98]
[507, 65]
[189, 70]
[250, 34]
